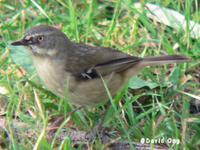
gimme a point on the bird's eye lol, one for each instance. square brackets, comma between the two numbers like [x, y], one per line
[40, 38]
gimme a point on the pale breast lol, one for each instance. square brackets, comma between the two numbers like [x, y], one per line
[51, 74]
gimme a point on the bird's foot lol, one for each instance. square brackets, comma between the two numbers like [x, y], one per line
[58, 121]
[98, 132]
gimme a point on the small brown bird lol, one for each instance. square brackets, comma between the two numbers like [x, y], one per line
[76, 70]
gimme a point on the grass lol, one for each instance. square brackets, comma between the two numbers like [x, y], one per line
[162, 112]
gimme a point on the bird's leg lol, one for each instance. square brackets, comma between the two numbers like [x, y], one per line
[55, 125]
[98, 130]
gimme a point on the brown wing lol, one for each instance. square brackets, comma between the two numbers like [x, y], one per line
[95, 61]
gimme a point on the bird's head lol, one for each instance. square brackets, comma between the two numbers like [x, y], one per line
[44, 40]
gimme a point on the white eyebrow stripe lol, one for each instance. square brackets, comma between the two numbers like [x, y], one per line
[36, 34]
[27, 37]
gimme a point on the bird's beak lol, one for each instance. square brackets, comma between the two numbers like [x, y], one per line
[20, 43]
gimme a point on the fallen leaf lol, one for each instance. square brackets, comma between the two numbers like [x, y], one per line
[170, 18]
[20, 72]
[185, 79]
[136, 83]
[21, 56]
[4, 90]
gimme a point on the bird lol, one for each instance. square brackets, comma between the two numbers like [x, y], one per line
[83, 73]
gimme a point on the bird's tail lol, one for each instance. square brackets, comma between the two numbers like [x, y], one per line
[160, 60]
